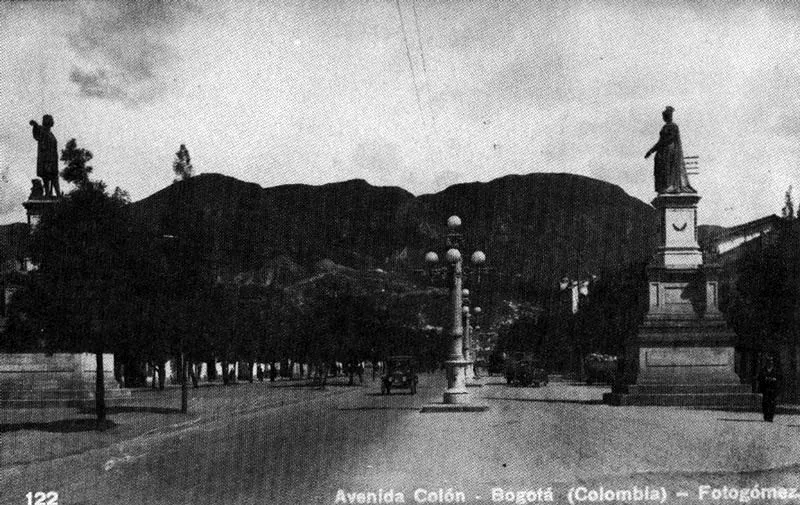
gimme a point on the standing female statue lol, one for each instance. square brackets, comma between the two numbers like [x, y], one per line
[669, 168]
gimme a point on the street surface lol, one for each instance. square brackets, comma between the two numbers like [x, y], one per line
[285, 443]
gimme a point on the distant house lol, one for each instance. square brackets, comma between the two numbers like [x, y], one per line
[729, 244]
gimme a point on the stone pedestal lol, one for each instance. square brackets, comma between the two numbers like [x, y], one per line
[36, 206]
[55, 380]
[683, 354]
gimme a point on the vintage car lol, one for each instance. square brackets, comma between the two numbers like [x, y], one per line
[600, 368]
[496, 364]
[401, 373]
[522, 370]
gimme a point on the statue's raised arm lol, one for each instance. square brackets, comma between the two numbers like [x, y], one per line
[669, 169]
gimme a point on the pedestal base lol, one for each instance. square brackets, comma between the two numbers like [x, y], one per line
[684, 363]
[700, 396]
[438, 408]
[456, 392]
[56, 380]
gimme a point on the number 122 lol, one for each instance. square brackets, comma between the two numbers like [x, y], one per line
[40, 498]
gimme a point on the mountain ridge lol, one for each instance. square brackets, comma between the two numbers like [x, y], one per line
[534, 228]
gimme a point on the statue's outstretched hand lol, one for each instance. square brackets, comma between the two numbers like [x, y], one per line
[647, 154]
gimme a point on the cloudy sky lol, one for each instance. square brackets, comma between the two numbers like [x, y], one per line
[413, 93]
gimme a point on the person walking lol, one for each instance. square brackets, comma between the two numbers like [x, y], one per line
[769, 385]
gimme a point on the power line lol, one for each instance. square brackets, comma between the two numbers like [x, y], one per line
[422, 57]
[408, 54]
[419, 38]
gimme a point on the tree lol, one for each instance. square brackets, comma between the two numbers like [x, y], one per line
[183, 164]
[187, 279]
[90, 269]
[788, 207]
[76, 170]
[762, 300]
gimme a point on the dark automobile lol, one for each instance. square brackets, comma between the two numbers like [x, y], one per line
[524, 371]
[496, 364]
[401, 373]
[600, 368]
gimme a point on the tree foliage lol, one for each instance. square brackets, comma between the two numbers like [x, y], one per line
[86, 270]
[182, 165]
[76, 170]
[763, 303]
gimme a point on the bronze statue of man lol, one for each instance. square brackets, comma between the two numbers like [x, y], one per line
[669, 168]
[47, 155]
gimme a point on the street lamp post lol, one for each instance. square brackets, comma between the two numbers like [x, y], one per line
[469, 348]
[577, 291]
[456, 392]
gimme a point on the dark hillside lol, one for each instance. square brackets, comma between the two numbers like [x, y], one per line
[534, 228]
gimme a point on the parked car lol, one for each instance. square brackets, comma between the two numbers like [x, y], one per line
[496, 364]
[600, 368]
[523, 370]
[401, 373]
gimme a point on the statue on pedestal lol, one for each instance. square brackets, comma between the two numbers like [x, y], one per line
[669, 168]
[47, 156]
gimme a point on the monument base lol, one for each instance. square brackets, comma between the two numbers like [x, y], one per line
[441, 408]
[722, 396]
[684, 362]
[55, 380]
[683, 354]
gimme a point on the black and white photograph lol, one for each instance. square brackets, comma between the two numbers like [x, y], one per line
[323, 252]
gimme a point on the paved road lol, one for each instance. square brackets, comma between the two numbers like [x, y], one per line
[356, 440]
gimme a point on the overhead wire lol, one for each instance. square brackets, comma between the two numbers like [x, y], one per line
[408, 55]
[422, 57]
[435, 144]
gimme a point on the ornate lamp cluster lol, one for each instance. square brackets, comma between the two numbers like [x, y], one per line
[458, 359]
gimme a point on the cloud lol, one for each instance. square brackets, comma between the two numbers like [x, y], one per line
[122, 50]
[96, 84]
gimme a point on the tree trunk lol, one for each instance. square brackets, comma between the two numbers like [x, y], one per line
[184, 385]
[162, 375]
[100, 394]
[225, 378]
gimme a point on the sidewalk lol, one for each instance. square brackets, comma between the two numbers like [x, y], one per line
[30, 435]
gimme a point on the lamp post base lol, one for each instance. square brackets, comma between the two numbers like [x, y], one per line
[456, 392]
[456, 397]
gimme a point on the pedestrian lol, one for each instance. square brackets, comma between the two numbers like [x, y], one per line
[360, 372]
[769, 384]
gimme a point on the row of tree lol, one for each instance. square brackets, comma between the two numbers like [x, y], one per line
[603, 323]
[105, 283]
[760, 297]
